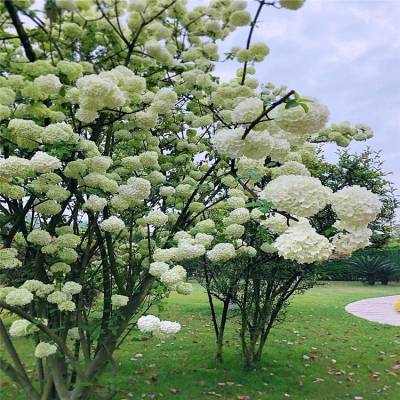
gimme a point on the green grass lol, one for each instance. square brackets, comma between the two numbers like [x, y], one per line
[349, 358]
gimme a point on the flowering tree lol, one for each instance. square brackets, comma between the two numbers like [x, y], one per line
[119, 144]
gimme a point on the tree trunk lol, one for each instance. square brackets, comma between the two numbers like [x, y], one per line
[221, 330]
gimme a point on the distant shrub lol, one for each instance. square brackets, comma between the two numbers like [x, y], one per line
[369, 264]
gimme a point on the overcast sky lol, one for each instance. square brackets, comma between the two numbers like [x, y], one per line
[346, 53]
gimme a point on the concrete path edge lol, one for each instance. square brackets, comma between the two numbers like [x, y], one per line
[376, 309]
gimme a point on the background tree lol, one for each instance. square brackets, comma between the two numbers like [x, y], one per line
[365, 169]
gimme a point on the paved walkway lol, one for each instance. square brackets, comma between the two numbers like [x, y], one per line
[376, 309]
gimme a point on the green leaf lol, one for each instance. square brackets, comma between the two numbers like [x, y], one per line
[291, 104]
[305, 100]
[305, 107]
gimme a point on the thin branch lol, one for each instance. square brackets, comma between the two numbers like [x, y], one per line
[13, 374]
[56, 339]
[266, 112]
[252, 26]
[23, 37]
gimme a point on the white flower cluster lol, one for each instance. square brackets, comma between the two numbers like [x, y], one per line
[158, 268]
[343, 133]
[73, 333]
[13, 167]
[173, 276]
[97, 92]
[290, 168]
[42, 163]
[238, 216]
[25, 133]
[257, 145]
[45, 86]
[134, 191]
[276, 223]
[292, 4]
[118, 301]
[152, 324]
[222, 252]
[247, 110]
[298, 195]
[59, 133]
[301, 243]
[39, 237]
[95, 203]
[44, 349]
[112, 224]
[229, 142]
[72, 288]
[234, 231]
[19, 297]
[8, 259]
[19, 327]
[347, 242]
[156, 218]
[300, 123]
[355, 207]
[163, 101]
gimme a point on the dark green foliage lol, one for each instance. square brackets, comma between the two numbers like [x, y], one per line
[373, 268]
[368, 265]
[364, 169]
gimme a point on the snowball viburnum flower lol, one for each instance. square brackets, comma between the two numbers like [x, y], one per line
[169, 327]
[19, 328]
[112, 225]
[356, 206]
[19, 297]
[158, 268]
[247, 110]
[39, 237]
[118, 300]
[221, 252]
[43, 163]
[148, 323]
[156, 218]
[298, 195]
[72, 287]
[301, 243]
[44, 349]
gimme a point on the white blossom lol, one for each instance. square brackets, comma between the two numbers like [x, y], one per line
[156, 218]
[19, 297]
[43, 163]
[247, 110]
[148, 323]
[112, 224]
[73, 333]
[118, 300]
[158, 268]
[169, 327]
[276, 223]
[301, 243]
[95, 203]
[19, 328]
[44, 349]
[72, 287]
[221, 252]
[298, 195]
[356, 206]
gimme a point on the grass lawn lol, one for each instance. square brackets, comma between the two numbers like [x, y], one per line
[320, 353]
